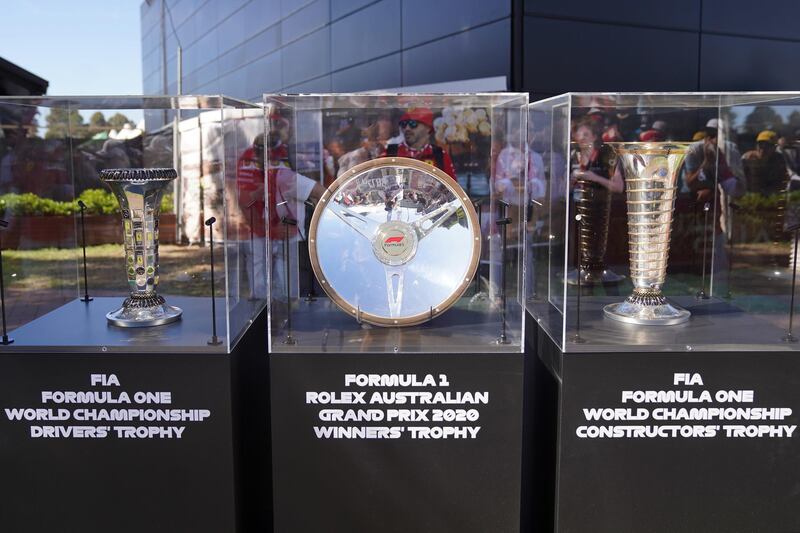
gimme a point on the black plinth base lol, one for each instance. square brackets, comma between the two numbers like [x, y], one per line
[134, 441]
[633, 470]
[325, 481]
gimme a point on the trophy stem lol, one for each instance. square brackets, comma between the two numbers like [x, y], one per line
[139, 193]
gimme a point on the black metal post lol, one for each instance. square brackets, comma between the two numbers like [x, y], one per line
[701, 294]
[503, 221]
[789, 337]
[577, 337]
[312, 294]
[86, 298]
[214, 341]
[478, 206]
[6, 339]
[252, 253]
[286, 223]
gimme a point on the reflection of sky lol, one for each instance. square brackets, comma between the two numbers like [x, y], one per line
[353, 270]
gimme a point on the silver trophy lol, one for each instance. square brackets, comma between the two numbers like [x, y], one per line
[651, 171]
[139, 192]
[394, 242]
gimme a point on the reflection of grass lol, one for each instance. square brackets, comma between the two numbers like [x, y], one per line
[183, 269]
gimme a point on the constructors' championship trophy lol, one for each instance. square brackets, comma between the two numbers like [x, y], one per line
[394, 242]
[139, 192]
[651, 171]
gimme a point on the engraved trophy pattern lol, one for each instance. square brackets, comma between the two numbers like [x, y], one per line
[651, 171]
[139, 192]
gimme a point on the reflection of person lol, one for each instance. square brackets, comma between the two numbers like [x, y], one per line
[250, 219]
[594, 160]
[764, 167]
[287, 191]
[709, 161]
[373, 143]
[765, 170]
[417, 126]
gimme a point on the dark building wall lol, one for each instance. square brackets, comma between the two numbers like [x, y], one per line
[246, 48]
[681, 45]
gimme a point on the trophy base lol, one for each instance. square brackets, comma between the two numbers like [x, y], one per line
[663, 314]
[136, 313]
[589, 277]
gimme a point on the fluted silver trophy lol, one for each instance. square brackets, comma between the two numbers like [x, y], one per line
[139, 192]
[651, 171]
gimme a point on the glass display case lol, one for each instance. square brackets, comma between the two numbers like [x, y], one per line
[179, 163]
[396, 222]
[663, 221]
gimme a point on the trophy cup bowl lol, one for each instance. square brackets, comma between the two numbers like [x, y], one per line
[651, 172]
[394, 242]
[139, 192]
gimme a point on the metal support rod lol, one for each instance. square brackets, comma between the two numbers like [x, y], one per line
[312, 294]
[577, 337]
[6, 339]
[789, 337]
[503, 221]
[214, 341]
[86, 298]
[286, 223]
[701, 294]
[478, 205]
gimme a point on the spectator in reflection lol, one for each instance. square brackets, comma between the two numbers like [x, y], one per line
[416, 125]
[765, 167]
[374, 139]
[652, 136]
[708, 162]
[592, 160]
[288, 191]
[250, 216]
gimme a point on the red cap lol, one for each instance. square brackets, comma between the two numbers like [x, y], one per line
[651, 136]
[420, 114]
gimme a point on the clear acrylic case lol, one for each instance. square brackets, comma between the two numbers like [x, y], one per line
[664, 221]
[53, 150]
[375, 247]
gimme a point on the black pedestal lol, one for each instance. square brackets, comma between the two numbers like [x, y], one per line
[357, 467]
[674, 441]
[127, 440]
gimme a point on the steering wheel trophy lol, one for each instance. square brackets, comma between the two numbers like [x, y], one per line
[394, 242]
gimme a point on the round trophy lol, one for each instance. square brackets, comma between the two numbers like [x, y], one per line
[394, 242]
[139, 192]
[651, 171]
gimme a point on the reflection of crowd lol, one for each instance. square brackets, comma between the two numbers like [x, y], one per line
[410, 135]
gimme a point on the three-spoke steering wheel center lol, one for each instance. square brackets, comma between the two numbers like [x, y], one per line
[395, 243]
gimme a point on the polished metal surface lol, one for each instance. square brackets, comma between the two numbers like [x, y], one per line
[651, 171]
[139, 192]
[593, 204]
[394, 242]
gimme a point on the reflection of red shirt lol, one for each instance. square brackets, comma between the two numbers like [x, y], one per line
[426, 155]
[249, 179]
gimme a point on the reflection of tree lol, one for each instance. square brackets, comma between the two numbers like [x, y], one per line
[763, 118]
[117, 121]
[63, 123]
[794, 120]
